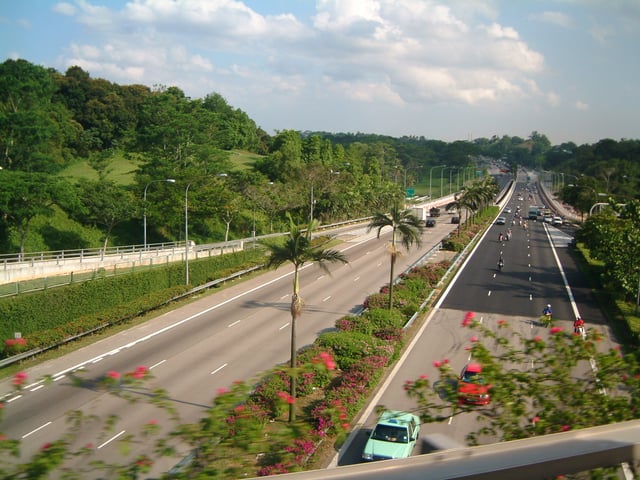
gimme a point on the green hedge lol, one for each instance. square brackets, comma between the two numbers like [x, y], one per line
[52, 315]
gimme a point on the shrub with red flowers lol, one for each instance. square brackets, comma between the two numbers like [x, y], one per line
[545, 375]
[377, 300]
[13, 346]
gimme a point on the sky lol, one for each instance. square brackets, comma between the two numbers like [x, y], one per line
[444, 70]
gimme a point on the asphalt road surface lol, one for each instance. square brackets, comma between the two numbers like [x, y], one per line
[193, 351]
[539, 270]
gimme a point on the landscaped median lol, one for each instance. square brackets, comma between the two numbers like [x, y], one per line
[246, 433]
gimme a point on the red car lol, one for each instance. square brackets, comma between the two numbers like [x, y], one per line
[472, 388]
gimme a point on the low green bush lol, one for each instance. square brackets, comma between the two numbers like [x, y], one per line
[47, 317]
[348, 347]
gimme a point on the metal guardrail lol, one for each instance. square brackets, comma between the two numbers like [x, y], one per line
[22, 356]
[83, 253]
[547, 456]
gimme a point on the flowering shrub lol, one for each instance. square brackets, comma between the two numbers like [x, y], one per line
[265, 395]
[348, 347]
[430, 273]
[13, 346]
[377, 300]
[546, 377]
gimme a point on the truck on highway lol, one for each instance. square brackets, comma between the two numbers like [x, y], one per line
[533, 212]
[434, 212]
[420, 212]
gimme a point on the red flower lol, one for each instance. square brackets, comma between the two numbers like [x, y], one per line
[474, 339]
[113, 374]
[565, 428]
[535, 420]
[140, 372]
[537, 339]
[437, 364]
[555, 330]
[19, 378]
[423, 377]
[468, 318]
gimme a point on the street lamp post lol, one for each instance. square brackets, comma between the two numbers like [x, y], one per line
[417, 167]
[186, 229]
[144, 206]
[442, 180]
[457, 169]
[311, 202]
[186, 234]
[431, 177]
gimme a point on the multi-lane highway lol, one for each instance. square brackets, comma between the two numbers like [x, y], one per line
[538, 271]
[198, 349]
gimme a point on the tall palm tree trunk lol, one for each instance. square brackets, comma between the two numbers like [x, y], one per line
[394, 254]
[296, 309]
[393, 263]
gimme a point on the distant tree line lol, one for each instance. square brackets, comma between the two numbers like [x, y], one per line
[50, 123]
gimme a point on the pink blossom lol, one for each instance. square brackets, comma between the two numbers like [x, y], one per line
[113, 374]
[345, 426]
[140, 372]
[501, 322]
[423, 377]
[537, 339]
[565, 428]
[468, 318]
[555, 330]
[535, 420]
[19, 378]
[222, 391]
[474, 339]
[437, 364]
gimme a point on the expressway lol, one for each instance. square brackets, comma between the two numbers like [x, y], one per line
[538, 271]
[196, 350]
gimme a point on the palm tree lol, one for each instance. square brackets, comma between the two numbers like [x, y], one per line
[404, 223]
[299, 248]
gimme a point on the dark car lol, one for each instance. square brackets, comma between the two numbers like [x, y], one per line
[431, 222]
[455, 219]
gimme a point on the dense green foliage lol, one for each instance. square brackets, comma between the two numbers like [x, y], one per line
[54, 123]
[51, 316]
[613, 237]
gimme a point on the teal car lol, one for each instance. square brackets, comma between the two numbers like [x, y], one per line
[394, 436]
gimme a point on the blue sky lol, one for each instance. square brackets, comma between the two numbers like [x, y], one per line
[455, 70]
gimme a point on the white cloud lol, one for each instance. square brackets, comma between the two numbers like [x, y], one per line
[553, 99]
[553, 18]
[397, 52]
[65, 8]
